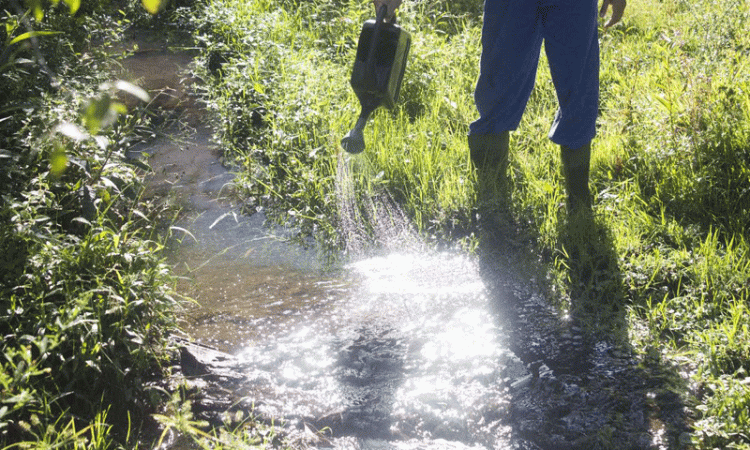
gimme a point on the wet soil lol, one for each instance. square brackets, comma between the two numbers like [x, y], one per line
[586, 388]
[410, 349]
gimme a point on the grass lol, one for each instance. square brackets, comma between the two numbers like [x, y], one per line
[87, 304]
[86, 297]
[670, 167]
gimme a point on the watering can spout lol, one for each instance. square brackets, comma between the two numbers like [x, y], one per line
[377, 73]
[354, 141]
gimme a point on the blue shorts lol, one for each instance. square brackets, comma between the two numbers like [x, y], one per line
[512, 37]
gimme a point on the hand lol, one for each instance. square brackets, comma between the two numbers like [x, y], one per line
[391, 4]
[618, 8]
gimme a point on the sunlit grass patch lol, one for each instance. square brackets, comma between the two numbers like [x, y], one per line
[670, 168]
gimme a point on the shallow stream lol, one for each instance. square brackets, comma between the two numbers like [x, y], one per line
[407, 348]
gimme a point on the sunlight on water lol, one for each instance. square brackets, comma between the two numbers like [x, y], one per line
[412, 349]
[465, 338]
[418, 274]
[401, 347]
[396, 346]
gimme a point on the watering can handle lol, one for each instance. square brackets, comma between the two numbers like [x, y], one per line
[379, 20]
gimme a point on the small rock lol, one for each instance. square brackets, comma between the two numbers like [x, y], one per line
[521, 383]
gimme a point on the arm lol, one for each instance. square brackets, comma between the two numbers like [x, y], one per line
[392, 5]
[618, 8]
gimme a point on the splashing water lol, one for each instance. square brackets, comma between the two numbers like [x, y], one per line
[369, 220]
[397, 349]
[411, 352]
[407, 352]
[402, 348]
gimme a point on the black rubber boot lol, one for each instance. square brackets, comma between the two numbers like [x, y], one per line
[575, 164]
[489, 151]
[489, 154]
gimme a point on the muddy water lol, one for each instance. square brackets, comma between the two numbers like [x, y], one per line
[404, 349]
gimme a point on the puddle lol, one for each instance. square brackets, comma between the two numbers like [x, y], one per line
[410, 349]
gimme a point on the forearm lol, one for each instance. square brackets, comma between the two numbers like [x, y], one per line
[618, 8]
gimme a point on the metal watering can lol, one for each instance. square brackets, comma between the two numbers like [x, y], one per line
[377, 73]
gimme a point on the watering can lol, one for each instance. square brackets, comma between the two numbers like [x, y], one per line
[377, 73]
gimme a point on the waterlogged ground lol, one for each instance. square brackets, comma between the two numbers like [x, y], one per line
[403, 348]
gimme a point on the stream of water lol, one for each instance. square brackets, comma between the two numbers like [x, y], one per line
[405, 348]
[399, 347]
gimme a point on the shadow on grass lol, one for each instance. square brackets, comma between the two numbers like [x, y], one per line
[585, 388]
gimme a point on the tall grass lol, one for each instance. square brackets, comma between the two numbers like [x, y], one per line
[285, 79]
[670, 171]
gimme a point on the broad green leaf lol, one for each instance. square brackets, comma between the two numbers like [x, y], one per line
[109, 183]
[101, 141]
[10, 25]
[31, 34]
[102, 112]
[73, 5]
[58, 162]
[118, 108]
[36, 7]
[81, 220]
[72, 131]
[132, 89]
[96, 114]
[667, 104]
[183, 230]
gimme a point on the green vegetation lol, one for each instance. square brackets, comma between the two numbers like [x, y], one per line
[86, 298]
[670, 170]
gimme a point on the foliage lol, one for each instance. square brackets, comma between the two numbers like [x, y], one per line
[238, 430]
[670, 170]
[274, 127]
[84, 293]
[85, 296]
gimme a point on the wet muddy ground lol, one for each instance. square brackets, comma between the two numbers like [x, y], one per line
[408, 349]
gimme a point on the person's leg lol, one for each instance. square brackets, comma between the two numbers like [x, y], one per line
[489, 150]
[511, 41]
[572, 48]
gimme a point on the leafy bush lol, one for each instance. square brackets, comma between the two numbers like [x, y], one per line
[84, 293]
